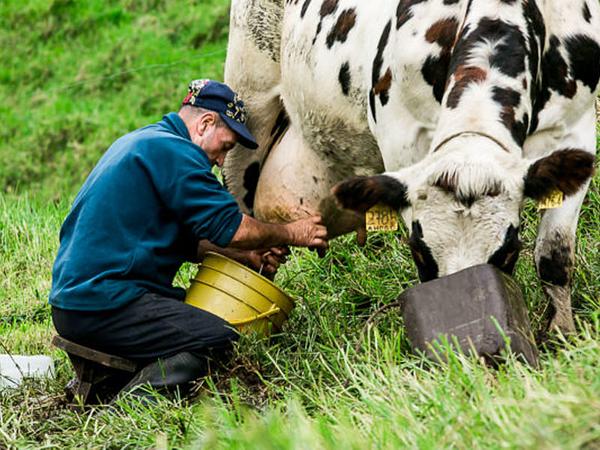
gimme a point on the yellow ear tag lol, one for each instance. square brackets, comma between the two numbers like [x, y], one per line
[553, 200]
[381, 218]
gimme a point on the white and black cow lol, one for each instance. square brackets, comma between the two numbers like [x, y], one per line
[467, 105]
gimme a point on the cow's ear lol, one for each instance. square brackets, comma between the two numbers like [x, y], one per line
[566, 170]
[361, 193]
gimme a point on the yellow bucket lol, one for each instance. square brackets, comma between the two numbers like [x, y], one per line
[239, 295]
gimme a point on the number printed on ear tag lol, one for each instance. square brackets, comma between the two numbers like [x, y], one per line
[381, 218]
[552, 200]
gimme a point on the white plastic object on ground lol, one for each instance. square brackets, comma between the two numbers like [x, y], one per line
[13, 368]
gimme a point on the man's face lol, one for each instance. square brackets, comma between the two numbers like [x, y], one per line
[215, 140]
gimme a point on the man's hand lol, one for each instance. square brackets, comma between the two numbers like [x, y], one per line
[267, 261]
[253, 234]
[309, 232]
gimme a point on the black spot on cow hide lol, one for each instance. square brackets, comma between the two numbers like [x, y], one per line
[566, 170]
[536, 38]
[555, 77]
[304, 8]
[556, 268]
[403, 12]
[509, 99]
[584, 54]
[344, 78]
[281, 123]
[506, 256]
[587, 15]
[508, 56]
[377, 64]
[250, 182]
[435, 68]
[421, 253]
[361, 193]
[509, 46]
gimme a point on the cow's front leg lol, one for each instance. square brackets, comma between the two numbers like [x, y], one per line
[554, 258]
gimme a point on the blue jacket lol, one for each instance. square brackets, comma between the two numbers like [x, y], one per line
[138, 217]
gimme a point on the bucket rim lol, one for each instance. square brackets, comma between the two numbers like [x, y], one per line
[250, 271]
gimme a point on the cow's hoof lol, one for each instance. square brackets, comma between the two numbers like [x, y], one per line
[563, 324]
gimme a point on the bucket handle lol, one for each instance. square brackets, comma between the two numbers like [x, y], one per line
[270, 312]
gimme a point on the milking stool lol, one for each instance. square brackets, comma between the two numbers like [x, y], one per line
[99, 376]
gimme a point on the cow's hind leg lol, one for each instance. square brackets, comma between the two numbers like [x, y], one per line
[252, 69]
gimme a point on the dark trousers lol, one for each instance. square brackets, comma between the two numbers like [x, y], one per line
[148, 328]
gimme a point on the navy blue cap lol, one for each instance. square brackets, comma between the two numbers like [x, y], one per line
[220, 98]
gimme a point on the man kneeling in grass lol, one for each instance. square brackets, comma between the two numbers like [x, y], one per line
[150, 204]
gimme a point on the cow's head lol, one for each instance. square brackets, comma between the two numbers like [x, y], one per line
[463, 209]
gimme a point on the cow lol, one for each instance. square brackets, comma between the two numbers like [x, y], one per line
[450, 111]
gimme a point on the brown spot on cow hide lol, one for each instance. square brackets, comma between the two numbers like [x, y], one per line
[443, 32]
[463, 76]
[566, 170]
[382, 87]
[342, 27]
[328, 7]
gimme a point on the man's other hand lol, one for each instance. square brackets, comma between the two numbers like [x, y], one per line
[268, 261]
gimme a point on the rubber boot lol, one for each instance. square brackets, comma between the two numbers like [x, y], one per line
[168, 375]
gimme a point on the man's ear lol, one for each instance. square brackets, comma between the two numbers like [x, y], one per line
[361, 193]
[566, 170]
[205, 121]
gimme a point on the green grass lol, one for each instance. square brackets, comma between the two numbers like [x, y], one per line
[76, 75]
[86, 72]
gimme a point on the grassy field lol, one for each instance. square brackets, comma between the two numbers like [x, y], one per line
[75, 76]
